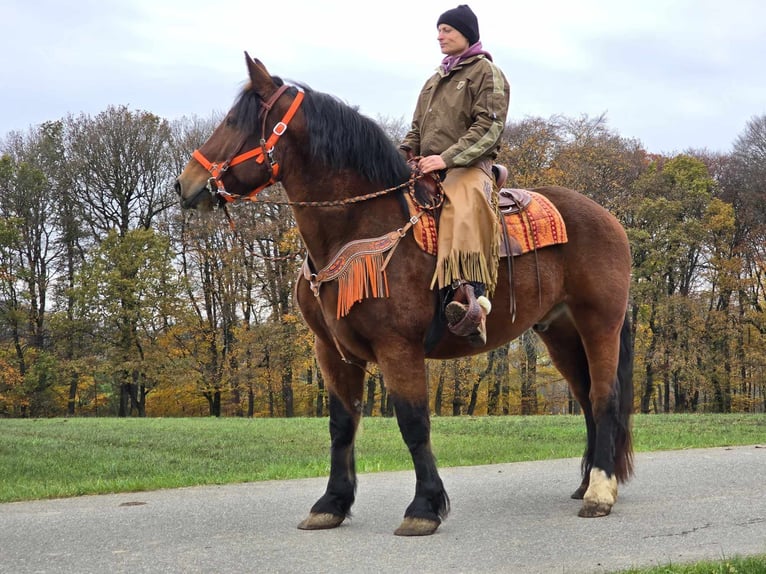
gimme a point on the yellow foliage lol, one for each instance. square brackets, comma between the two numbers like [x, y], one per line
[13, 397]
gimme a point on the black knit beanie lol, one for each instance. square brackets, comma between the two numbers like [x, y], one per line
[463, 20]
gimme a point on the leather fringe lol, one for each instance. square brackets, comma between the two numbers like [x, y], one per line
[363, 277]
[468, 267]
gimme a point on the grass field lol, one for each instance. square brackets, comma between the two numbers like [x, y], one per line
[737, 565]
[48, 458]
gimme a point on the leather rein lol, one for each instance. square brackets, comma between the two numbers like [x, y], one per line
[265, 151]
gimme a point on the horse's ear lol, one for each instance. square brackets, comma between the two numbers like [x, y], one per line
[260, 79]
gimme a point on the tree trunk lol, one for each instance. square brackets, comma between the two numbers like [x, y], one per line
[213, 402]
[505, 396]
[457, 400]
[498, 359]
[287, 391]
[320, 393]
[386, 406]
[646, 396]
[236, 400]
[574, 407]
[529, 374]
[369, 403]
[439, 395]
[493, 396]
[137, 394]
[124, 407]
[70, 405]
[472, 402]
[142, 394]
[718, 401]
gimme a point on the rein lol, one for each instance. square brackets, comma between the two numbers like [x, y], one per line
[360, 266]
[334, 203]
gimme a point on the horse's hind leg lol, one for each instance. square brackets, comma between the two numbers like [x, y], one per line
[610, 364]
[568, 355]
[345, 384]
[405, 379]
[598, 368]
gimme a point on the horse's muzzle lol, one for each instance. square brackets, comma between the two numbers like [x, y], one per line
[186, 203]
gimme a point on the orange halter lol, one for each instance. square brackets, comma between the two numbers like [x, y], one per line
[260, 153]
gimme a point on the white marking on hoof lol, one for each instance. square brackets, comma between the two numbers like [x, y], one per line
[601, 494]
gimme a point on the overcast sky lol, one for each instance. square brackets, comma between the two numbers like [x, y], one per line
[674, 74]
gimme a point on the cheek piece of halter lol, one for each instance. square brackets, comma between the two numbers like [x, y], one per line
[260, 154]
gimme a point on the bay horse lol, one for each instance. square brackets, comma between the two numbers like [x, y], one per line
[344, 179]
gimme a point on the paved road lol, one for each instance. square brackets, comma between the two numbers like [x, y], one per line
[681, 506]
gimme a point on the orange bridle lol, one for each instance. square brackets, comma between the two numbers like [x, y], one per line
[260, 153]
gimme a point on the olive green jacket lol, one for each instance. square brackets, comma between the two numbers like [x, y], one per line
[461, 115]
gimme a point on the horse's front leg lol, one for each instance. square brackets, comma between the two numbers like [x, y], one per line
[345, 388]
[431, 503]
[407, 387]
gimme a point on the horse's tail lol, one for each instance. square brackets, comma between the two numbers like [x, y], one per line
[623, 455]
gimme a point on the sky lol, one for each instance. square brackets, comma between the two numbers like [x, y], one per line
[673, 74]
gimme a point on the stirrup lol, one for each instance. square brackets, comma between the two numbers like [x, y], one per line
[466, 315]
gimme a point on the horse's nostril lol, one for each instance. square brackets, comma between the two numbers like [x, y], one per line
[177, 187]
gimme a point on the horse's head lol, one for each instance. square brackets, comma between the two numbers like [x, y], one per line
[238, 159]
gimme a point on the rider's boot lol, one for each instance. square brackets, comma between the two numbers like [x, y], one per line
[467, 314]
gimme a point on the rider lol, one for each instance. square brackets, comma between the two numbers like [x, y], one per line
[458, 120]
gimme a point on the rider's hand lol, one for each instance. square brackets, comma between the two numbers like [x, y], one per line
[431, 163]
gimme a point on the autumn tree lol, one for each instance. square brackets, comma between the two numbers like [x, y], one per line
[669, 251]
[109, 293]
[120, 161]
[528, 148]
[742, 186]
[272, 254]
[30, 257]
[208, 267]
[128, 289]
[124, 169]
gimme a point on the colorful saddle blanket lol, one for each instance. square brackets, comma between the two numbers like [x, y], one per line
[537, 225]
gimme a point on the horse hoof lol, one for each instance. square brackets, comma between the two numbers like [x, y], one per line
[417, 527]
[594, 510]
[322, 521]
[600, 496]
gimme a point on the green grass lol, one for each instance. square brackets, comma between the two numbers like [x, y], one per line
[736, 565]
[48, 458]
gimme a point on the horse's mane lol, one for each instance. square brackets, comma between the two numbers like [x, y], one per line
[339, 136]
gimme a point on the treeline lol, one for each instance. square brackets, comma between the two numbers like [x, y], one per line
[114, 302]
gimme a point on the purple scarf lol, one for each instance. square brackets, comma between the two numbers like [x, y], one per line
[450, 62]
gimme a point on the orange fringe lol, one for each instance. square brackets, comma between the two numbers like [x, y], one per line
[364, 277]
